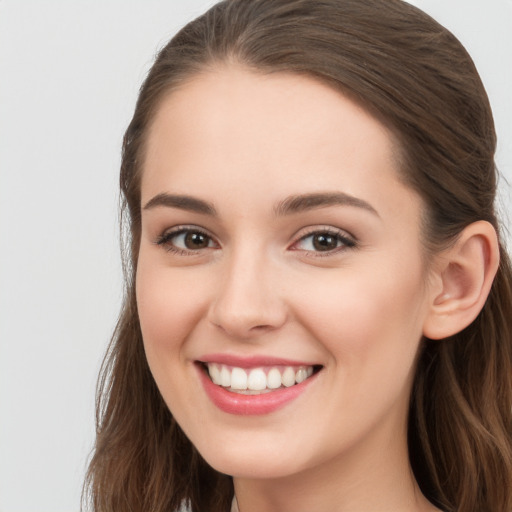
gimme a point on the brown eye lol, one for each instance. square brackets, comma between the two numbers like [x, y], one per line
[324, 242]
[194, 240]
[186, 240]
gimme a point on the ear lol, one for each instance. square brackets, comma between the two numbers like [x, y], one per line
[463, 275]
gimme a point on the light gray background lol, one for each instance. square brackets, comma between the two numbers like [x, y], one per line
[69, 75]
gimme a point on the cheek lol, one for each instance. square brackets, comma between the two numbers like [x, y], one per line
[170, 304]
[367, 320]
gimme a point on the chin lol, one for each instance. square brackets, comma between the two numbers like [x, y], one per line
[255, 463]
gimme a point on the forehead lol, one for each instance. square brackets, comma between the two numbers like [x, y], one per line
[277, 133]
[245, 101]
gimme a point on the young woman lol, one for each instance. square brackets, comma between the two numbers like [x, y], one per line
[318, 305]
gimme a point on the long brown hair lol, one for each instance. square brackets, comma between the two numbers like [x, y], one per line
[416, 77]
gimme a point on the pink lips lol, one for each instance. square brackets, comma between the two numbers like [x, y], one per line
[236, 403]
[251, 361]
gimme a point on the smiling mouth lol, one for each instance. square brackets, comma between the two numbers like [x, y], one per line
[258, 380]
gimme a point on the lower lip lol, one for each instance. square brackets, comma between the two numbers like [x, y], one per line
[245, 405]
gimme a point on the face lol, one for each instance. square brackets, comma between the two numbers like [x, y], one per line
[281, 253]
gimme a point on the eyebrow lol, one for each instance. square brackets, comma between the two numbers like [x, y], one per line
[289, 206]
[304, 202]
[191, 204]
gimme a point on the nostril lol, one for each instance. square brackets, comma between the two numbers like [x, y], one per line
[261, 327]
[245, 306]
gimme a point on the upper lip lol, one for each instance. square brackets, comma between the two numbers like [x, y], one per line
[252, 361]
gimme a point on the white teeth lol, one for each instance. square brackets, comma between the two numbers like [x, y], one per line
[257, 380]
[215, 374]
[274, 379]
[238, 379]
[301, 375]
[225, 377]
[288, 377]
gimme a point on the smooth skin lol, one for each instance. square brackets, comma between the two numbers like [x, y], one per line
[343, 284]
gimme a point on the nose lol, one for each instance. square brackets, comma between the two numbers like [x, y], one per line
[247, 302]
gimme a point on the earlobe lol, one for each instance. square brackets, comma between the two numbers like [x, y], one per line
[464, 273]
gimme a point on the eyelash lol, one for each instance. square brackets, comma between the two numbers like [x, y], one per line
[344, 240]
[165, 240]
